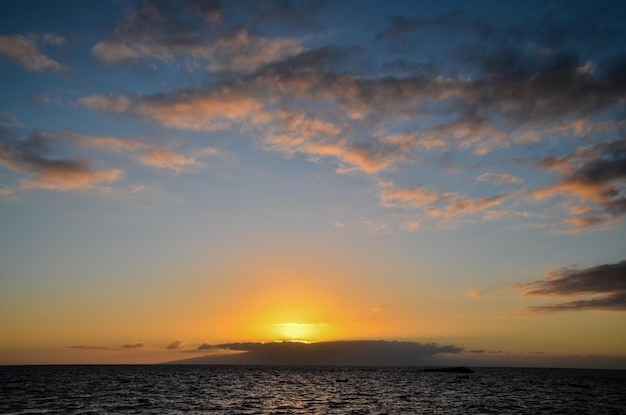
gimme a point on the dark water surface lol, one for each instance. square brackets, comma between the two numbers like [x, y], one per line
[306, 390]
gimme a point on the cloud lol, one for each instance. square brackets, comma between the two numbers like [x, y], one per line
[163, 159]
[475, 293]
[175, 345]
[434, 202]
[499, 178]
[147, 154]
[325, 104]
[603, 286]
[206, 346]
[393, 195]
[326, 353]
[25, 50]
[105, 103]
[32, 156]
[595, 173]
[158, 30]
[89, 347]
[132, 346]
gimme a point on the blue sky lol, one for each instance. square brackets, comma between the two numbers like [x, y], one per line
[209, 172]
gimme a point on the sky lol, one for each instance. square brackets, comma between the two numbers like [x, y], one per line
[193, 178]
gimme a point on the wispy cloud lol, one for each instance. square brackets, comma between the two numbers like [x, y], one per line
[499, 178]
[146, 154]
[36, 156]
[473, 293]
[89, 347]
[105, 103]
[602, 286]
[25, 51]
[158, 30]
[33, 157]
[133, 346]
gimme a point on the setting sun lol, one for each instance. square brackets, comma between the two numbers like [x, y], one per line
[300, 331]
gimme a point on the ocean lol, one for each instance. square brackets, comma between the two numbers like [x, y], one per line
[307, 390]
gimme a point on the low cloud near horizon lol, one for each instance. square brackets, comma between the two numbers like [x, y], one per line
[362, 352]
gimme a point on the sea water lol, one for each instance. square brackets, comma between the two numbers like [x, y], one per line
[306, 390]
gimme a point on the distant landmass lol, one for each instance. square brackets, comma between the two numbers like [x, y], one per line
[344, 353]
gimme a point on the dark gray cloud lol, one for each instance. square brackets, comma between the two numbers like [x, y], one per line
[132, 346]
[207, 346]
[175, 345]
[89, 347]
[325, 353]
[604, 287]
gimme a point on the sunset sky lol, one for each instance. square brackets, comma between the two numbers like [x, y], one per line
[176, 176]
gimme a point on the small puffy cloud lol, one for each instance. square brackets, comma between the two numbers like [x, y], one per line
[163, 159]
[114, 52]
[475, 293]
[105, 103]
[175, 345]
[25, 50]
[132, 346]
[499, 178]
[602, 287]
[393, 195]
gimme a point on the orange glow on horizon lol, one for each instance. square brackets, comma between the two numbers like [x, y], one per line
[305, 332]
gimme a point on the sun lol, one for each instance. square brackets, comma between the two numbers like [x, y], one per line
[304, 332]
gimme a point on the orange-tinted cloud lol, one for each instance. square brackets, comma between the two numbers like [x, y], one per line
[31, 156]
[433, 202]
[147, 154]
[597, 174]
[475, 293]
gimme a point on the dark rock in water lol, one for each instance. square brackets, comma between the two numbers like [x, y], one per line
[450, 370]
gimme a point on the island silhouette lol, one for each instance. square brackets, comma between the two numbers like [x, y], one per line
[347, 353]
